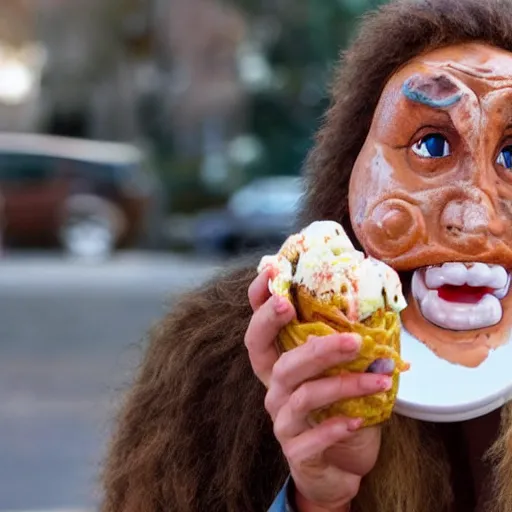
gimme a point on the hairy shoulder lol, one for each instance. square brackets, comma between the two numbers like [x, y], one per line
[193, 434]
[220, 309]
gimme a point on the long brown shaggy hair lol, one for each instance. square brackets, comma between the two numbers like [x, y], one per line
[193, 434]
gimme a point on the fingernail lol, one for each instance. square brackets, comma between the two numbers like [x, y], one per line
[385, 383]
[355, 424]
[281, 305]
[382, 366]
[351, 342]
[374, 384]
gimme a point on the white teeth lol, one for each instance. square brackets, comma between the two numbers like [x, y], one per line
[479, 275]
[500, 278]
[418, 288]
[502, 292]
[457, 274]
[461, 317]
[449, 273]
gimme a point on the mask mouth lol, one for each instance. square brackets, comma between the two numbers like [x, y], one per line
[461, 296]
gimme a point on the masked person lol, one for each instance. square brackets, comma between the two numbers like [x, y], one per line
[415, 160]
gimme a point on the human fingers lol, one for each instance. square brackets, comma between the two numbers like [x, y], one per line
[292, 419]
[314, 441]
[313, 358]
[262, 332]
[258, 292]
[382, 366]
[306, 362]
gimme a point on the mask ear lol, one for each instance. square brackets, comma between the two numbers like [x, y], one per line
[437, 91]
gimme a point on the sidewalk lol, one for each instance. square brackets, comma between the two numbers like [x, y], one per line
[52, 510]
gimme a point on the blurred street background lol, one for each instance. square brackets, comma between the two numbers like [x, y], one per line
[143, 145]
[70, 339]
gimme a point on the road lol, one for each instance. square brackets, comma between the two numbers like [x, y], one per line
[70, 336]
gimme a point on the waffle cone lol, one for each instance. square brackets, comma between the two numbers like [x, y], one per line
[380, 340]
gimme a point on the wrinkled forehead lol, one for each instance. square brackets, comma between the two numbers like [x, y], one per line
[476, 60]
[442, 78]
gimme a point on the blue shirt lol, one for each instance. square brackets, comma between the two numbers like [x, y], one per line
[282, 502]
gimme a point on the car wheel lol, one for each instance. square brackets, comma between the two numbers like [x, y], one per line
[90, 227]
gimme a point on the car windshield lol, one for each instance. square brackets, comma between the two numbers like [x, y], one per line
[273, 196]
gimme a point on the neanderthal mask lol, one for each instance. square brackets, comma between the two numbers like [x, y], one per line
[431, 193]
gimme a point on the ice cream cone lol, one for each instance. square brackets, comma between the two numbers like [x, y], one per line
[321, 314]
[380, 336]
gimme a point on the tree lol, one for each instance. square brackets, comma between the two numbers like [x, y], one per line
[301, 42]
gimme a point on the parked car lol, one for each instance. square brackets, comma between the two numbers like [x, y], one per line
[87, 196]
[261, 214]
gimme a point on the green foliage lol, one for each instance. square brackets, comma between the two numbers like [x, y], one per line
[310, 35]
[299, 41]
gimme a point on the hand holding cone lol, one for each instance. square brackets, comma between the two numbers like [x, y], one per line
[334, 288]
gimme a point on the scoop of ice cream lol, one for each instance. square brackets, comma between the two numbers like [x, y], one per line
[322, 259]
[337, 289]
[379, 286]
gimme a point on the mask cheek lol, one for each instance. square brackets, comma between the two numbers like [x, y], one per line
[392, 228]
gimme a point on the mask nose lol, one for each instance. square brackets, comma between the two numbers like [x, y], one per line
[471, 220]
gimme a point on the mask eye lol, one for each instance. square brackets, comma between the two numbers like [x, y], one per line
[505, 157]
[432, 146]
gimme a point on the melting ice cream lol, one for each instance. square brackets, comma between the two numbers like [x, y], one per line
[322, 258]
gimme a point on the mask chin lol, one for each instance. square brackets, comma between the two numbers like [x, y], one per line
[439, 391]
[454, 375]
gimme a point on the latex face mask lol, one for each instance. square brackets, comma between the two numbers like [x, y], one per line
[431, 193]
